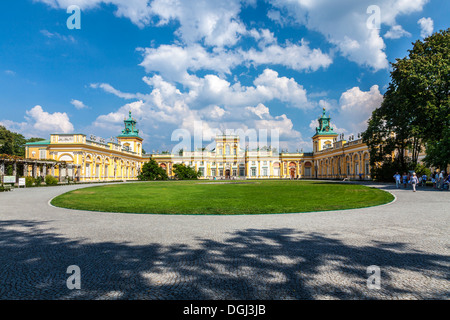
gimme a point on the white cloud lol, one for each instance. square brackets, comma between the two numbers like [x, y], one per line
[138, 11]
[212, 90]
[356, 107]
[396, 32]
[214, 101]
[426, 27]
[175, 62]
[343, 23]
[214, 22]
[56, 35]
[39, 123]
[297, 57]
[282, 88]
[351, 113]
[110, 89]
[78, 104]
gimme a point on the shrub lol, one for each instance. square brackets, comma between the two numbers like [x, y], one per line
[183, 172]
[29, 181]
[51, 180]
[38, 181]
[152, 171]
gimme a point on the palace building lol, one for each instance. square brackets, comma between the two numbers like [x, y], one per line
[92, 159]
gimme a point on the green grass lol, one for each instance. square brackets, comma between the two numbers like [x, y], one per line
[202, 197]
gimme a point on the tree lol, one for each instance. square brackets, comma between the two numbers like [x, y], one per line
[415, 111]
[438, 153]
[13, 143]
[183, 172]
[152, 171]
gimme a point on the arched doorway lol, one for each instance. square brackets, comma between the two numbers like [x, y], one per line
[292, 170]
[308, 169]
[227, 174]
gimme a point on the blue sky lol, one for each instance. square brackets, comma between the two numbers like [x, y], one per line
[229, 64]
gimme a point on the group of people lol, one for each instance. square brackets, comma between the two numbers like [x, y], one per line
[440, 180]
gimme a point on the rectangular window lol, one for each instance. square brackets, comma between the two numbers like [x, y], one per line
[242, 172]
[213, 172]
[42, 154]
[253, 172]
[88, 170]
[234, 172]
[221, 172]
[264, 171]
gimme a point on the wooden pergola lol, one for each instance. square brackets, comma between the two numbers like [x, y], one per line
[39, 168]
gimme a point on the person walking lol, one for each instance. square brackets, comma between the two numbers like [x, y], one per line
[446, 183]
[433, 179]
[424, 180]
[441, 180]
[397, 178]
[414, 181]
[405, 179]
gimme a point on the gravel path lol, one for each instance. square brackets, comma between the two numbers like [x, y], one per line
[322, 255]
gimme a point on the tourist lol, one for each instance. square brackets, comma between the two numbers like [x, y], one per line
[397, 178]
[447, 183]
[405, 179]
[414, 181]
[424, 180]
[433, 179]
[441, 180]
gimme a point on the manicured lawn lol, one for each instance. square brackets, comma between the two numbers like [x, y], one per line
[203, 197]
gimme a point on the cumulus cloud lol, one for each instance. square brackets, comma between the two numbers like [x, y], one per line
[217, 24]
[78, 104]
[344, 24]
[396, 32]
[213, 90]
[219, 104]
[426, 27]
[39, 123]
[175, 62]
[138, 11]
[356, 107]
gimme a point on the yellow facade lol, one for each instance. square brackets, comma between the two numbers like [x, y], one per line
[91, 159]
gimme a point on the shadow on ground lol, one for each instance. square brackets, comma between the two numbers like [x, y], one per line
[250, 264]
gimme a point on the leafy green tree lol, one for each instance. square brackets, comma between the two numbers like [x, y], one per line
[438, 153]
[11, 143]
[183, 172]
[152, 171]
[415, 111]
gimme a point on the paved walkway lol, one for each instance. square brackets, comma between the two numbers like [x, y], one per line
[322, 255]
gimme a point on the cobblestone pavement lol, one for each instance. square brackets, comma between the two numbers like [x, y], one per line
[322, 255]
